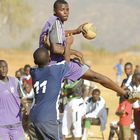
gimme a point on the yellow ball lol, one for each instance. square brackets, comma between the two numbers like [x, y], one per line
[89, 31]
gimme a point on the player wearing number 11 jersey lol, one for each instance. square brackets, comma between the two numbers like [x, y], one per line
[47, 83]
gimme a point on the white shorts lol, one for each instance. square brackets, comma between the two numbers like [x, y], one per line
[72, 119]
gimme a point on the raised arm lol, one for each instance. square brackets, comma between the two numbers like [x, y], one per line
[74, 31]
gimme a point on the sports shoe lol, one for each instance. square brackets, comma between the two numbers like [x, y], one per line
[133, 96]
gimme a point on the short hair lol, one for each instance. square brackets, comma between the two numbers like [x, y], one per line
[128, 63]
[96, 90]
[41, 56]
[26, 66]
[59, 2]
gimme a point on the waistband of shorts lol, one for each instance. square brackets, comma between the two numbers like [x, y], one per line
[16, 125]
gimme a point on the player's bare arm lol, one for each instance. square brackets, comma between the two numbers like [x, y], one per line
[59, 49]
[74, 31]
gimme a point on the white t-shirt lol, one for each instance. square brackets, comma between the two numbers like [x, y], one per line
[94, 109]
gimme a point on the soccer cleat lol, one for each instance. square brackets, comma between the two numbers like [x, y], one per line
[133, 96]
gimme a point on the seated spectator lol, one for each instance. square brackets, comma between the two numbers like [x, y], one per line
[96, 108]
[96, 113]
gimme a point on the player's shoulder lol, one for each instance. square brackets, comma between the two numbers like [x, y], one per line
[33, 69]
[53, 20]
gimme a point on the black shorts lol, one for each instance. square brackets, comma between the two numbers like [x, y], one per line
[45, 131]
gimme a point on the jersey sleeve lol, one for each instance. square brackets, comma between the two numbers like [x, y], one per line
[44, 36]
[56, 33]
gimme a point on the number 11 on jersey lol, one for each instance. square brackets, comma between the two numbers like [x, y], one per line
[38, 86]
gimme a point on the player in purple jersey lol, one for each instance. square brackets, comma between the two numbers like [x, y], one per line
[10, 115]
[53, 32]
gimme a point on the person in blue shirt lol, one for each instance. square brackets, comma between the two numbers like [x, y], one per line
[119, 71]
[46, 79]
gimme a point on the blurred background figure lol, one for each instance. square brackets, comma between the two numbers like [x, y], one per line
[135, 86]
[128, 69]
[27, 74]
[119, 71]
[27, 101]
[137, 69]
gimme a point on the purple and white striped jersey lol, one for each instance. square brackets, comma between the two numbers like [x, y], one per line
[54, 30]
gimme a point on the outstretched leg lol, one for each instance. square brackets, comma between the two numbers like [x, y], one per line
[103, 80]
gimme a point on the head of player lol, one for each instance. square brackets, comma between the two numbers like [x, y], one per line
[61, 9]
[41, 57]
[3, 69]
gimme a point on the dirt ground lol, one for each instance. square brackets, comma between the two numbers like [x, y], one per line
[102, 63]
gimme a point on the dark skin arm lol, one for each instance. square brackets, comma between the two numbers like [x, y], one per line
[69, 41]
[59, 49]
[74, 31]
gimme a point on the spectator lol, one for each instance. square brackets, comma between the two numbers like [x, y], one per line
[27, 101]
[119, 71]
[137, 69]
[135, 86]
[128, 69]
[18, 75]
[96, 112]
[124, 111]
[27, 74]
[73, 112]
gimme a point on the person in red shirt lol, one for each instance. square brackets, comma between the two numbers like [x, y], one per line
[124, 112]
